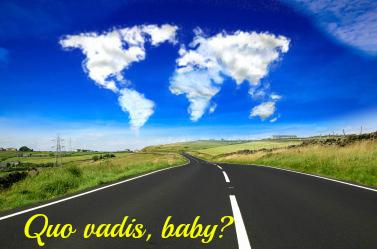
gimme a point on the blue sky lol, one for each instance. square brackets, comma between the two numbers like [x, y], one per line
[312, 72]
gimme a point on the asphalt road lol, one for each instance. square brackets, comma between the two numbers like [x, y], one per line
[272, 209]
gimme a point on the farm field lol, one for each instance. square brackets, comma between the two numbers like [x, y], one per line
[210, 149]
[356, 162]
[5, 155]
[81, 172]
[349, 158]
[253, 145]
[189, 146]
[43, 156]
[50, 159]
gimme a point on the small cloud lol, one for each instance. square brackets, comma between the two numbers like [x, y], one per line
[212, 108]
[242, 56]
[264, 110]
[273, 120]
[161, 34]
[262, 92]
[257, 94]
[138, 107]
[275, 97]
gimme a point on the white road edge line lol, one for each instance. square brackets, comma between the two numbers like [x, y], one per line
[226, 176]
[88, 192]
[320, 177]
[218, 166]
[242, 238]
[307, 174]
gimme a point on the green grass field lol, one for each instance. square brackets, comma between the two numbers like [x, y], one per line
[356, 162]
[5, 155]
[43, 156]
[253, 145]
[81, 172]
[51, 159]
[188, 146]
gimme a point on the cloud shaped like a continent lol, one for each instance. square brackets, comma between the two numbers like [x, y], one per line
[242, 56]
[108, 54]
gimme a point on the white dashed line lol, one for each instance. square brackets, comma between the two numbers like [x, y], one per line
[242, 238]
[226, 176]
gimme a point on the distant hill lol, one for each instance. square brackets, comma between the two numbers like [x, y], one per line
[191, 145]
[215, 147]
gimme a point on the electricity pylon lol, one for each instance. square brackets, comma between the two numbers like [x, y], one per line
[58, 150]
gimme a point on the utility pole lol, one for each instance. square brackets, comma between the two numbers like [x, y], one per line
[58, 150]
[361, 130]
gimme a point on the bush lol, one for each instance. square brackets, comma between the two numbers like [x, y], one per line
[25, 149]
[8, 180]
[14, 166]
[107, 155]
[75, 171]
[60, 186]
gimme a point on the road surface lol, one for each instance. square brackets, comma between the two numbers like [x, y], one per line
[272, 209]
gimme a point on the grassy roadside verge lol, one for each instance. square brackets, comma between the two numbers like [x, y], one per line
[253, 145]
[75, 176]
[356, 162]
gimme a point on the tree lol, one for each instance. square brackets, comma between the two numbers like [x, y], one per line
[25, 149]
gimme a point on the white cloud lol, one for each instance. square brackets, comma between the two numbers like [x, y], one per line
[138, 107]
[199, 90]
[245, 56]
[353, 22]
[267, 108]
[275, 97]
[264, 110]
[37, 132]
[108, 54]
[161, 34]
[242, 56]
[212, 108]
[273, 120]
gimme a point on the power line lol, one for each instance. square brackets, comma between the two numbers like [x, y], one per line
[58, 150]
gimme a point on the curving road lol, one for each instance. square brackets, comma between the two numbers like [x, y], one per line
[272, 209]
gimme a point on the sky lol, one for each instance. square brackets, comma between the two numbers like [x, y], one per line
[127, 74]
